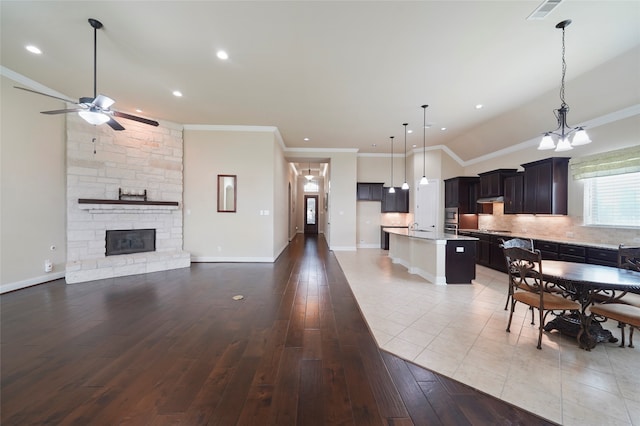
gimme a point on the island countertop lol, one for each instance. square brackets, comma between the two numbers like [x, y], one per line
[426, 235]
[560, 240]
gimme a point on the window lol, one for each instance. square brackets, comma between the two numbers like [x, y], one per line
[612, 200]
[311, 186]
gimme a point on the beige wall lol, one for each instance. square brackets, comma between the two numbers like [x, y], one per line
[33, 206]
[281, 213]
[246, 235]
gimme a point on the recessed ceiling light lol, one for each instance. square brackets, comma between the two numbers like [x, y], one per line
[177, 93]
[306, 139]
[33, 49]
[138, 110]
[221, 54]
[414, 145]
[443, 128]
[409, 131]
[479, 106]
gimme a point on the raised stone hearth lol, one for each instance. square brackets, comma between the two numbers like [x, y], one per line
[139, 158]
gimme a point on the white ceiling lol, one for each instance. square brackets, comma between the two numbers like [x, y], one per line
[343, 74]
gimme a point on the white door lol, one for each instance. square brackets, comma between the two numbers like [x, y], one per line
[427, 206]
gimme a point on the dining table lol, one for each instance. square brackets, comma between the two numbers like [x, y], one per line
[588, 284]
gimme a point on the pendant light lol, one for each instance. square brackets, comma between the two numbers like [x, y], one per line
[392, 190]
[563, 131]
[424, 180]
[309, 176]
[405, 185]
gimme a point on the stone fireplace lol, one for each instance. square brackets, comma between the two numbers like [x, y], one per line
[134, 160]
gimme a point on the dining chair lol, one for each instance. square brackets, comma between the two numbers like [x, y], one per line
[528, 287]
[629, 257]
[515, 242]
[626, 308]
[621, 312]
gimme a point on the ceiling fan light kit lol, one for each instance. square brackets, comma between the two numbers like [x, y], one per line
[95, 110]
[563, 131]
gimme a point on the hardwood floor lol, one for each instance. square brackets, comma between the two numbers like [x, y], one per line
[175, 348]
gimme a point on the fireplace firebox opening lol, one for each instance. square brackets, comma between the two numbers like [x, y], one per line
[129, 241]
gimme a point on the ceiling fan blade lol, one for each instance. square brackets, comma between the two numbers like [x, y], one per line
[135, 118]
[103, 101]
[114, 124]
[62, 111]
[44, 94]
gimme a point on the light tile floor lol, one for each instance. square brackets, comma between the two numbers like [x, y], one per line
[459, 331]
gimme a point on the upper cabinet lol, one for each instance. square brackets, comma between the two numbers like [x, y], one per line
[397, 202]
[545, 186]
[368, 191]
[492, 183]
[461, 192]
[514, 194]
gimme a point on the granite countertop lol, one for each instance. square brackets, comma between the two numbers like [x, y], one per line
[426, 235]
[543, 238]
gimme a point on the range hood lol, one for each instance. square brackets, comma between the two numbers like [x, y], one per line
[488, 200]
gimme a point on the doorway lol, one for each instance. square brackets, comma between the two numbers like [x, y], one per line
[310, 214]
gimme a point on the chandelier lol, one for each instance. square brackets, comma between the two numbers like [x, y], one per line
[563, 131]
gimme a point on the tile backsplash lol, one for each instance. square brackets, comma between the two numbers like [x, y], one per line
[557, 227]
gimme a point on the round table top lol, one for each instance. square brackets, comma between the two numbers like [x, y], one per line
[592, 275]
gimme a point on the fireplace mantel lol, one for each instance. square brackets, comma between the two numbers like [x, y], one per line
[128, 202]
[95, 205]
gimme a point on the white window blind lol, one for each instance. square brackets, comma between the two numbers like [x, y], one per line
[613, 200]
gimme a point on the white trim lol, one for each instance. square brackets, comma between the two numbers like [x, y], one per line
[4, 288]
[343, 248]
[215, 259]
[368, 246]
[289, 150]
[31, 84]
[230, 128]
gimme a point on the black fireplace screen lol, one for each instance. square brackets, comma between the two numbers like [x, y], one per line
[130, 241]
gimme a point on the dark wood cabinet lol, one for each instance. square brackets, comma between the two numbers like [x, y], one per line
[460, 264]
[492, 183]
[601, 256]
[514, 193]
[369, 191]
[461, 192]
[397, 202]
[545, 186]
[548, 250]
[572, 253]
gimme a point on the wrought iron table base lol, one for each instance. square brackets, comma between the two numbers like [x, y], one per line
[571, 325]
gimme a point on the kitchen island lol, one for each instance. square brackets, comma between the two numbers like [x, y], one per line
[438, 258]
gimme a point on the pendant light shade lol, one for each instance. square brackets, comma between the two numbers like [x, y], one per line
[424, 180]
[563, 131]
[391, 188]
[405, 185]
[309, 176]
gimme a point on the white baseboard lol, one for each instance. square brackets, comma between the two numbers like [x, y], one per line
[369, 246]
[215, 259]
[4, 288]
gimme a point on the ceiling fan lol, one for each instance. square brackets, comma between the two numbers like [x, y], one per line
[96, 110]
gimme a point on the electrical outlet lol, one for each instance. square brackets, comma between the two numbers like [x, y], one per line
[48, 265]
